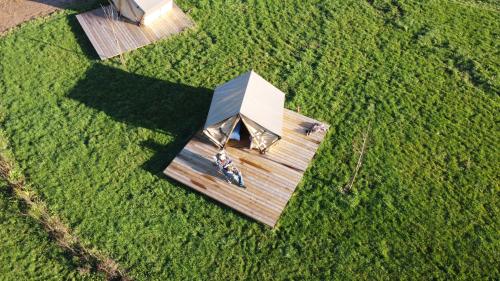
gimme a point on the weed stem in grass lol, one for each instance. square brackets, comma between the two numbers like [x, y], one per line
[348, 187]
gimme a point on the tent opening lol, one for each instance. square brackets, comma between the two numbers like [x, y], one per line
[240, 136]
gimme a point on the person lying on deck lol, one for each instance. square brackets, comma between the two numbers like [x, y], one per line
[316, 127]
[220, 159]
[226, 167]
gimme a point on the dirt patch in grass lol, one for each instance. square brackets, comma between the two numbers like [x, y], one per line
[15, 12]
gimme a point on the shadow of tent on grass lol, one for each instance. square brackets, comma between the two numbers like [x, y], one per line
[168, 107]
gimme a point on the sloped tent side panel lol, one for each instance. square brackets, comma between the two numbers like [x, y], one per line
[156, 9]
[219, 132]
[129, 9]
[226, 101]
[263, 104]
[262, 139]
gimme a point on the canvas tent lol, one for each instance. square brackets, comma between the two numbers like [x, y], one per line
[247, 101]
[143, 12]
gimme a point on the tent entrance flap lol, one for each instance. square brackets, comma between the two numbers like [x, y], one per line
[251, 134]
[262, 139]
[129, 9]
[219, 133]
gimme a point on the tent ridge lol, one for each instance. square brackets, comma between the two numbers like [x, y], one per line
[246, 89]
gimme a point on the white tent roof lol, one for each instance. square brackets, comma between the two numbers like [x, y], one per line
[143, 11]
[251, 96]
[150, 5]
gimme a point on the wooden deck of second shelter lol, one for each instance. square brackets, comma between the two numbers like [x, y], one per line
[270, 179]
[112, 37]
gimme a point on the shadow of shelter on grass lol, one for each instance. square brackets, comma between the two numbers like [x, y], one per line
[166, 107]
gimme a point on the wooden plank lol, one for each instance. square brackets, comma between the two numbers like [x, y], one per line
[270, 179]
[282, 190]
[187, 157]
[112, 37]
[231, 201]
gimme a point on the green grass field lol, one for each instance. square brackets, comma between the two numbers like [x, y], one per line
[93, 138]
[26, 252]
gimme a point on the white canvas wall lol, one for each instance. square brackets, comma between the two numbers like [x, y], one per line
[143, 11]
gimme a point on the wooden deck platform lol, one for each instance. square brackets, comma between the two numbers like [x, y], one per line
[114, 37]
[270, 179]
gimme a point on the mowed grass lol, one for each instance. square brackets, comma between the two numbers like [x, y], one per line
[26, 252]
[93, 138]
